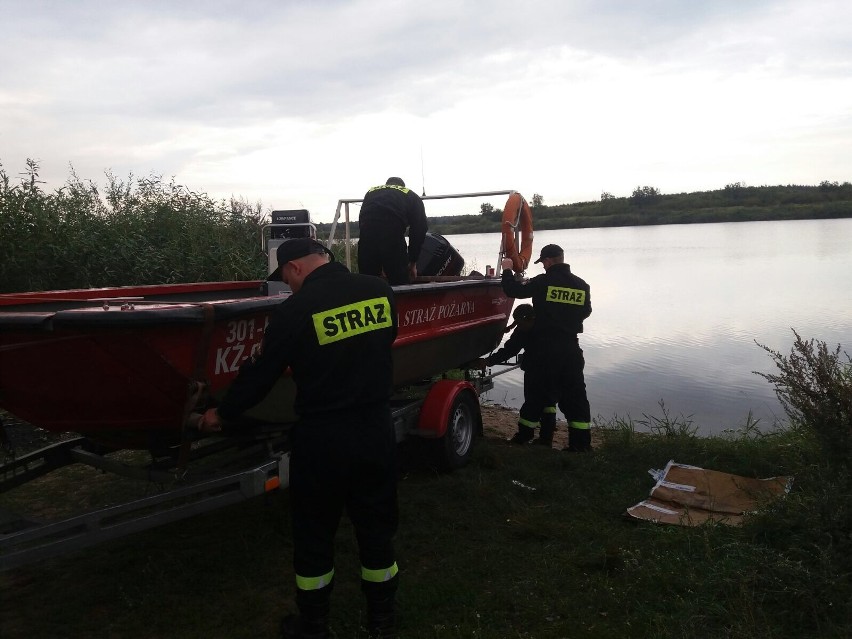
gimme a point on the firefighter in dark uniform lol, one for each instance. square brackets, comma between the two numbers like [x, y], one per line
[335, 333]
[386, 212]
[561, 301]
[538, 409]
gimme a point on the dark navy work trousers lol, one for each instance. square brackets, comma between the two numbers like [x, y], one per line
[383, 250]
[343, 463]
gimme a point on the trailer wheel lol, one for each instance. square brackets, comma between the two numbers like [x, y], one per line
[464, 422]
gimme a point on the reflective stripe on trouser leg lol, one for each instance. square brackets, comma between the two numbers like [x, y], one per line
[528, 423]
[579, 425]
[314, 583]
[379, 576]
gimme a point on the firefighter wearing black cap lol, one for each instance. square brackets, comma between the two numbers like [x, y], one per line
[538, 409]
[386, 212]
[561, 301]
[335, 333]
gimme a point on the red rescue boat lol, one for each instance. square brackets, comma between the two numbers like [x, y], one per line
[124, 366]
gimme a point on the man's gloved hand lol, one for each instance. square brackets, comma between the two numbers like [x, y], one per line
[507, 264]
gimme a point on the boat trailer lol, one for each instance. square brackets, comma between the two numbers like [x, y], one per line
[207, 473]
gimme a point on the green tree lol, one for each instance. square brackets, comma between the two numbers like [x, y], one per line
[735, 191]
[643, 195]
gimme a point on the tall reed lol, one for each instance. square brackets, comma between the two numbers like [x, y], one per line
[135, 231]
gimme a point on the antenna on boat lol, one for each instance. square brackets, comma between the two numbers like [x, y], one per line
[422, 172]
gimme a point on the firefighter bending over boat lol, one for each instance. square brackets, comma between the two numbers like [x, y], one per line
[335, 333]
[561, 301]
[385, 214]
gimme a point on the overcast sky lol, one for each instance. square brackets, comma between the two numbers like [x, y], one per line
[300, 103]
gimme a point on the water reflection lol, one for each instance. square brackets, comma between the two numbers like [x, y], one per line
[679, 311]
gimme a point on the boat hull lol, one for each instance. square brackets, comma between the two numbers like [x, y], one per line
[122, 366]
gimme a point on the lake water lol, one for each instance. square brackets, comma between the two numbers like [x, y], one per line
[678, 309]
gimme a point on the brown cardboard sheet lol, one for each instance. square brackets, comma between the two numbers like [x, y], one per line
[690, 496]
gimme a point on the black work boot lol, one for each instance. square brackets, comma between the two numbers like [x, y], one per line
[548, 427]
[381, 604]
[523, 436]
[381, 618]
[297, 627]
[579, 440]
[312, 621]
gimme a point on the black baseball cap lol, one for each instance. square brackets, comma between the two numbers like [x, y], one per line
[295, 248]
[523, 312]
[549, 250]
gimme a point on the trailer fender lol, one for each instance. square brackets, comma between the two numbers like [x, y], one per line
[435, 413]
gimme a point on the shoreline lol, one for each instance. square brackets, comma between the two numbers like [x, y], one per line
[501, 422]
[498, 422]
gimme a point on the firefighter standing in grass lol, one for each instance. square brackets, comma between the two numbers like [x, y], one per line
[335, 333]
[385, 214]
[561, 301]
[538, 409]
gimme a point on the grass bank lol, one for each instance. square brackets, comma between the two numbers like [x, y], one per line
[481, 555]
[523, 542]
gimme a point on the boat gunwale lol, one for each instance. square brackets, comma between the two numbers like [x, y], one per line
[153, 312]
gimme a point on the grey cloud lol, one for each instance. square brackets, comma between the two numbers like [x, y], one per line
[249, 61]
[126, 78]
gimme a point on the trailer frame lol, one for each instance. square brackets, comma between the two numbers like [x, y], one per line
[245, 466]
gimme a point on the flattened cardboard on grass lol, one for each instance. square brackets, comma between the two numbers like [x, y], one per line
[690, 496]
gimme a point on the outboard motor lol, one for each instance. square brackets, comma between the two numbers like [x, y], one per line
[285, 225]
[438, 257]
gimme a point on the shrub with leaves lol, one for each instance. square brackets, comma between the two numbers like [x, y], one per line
[814, 386]
[139, 231]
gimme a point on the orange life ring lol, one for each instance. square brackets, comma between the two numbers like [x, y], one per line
[517, 212]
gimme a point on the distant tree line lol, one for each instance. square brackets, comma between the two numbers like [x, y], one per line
[151, 231]
[647, 205]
